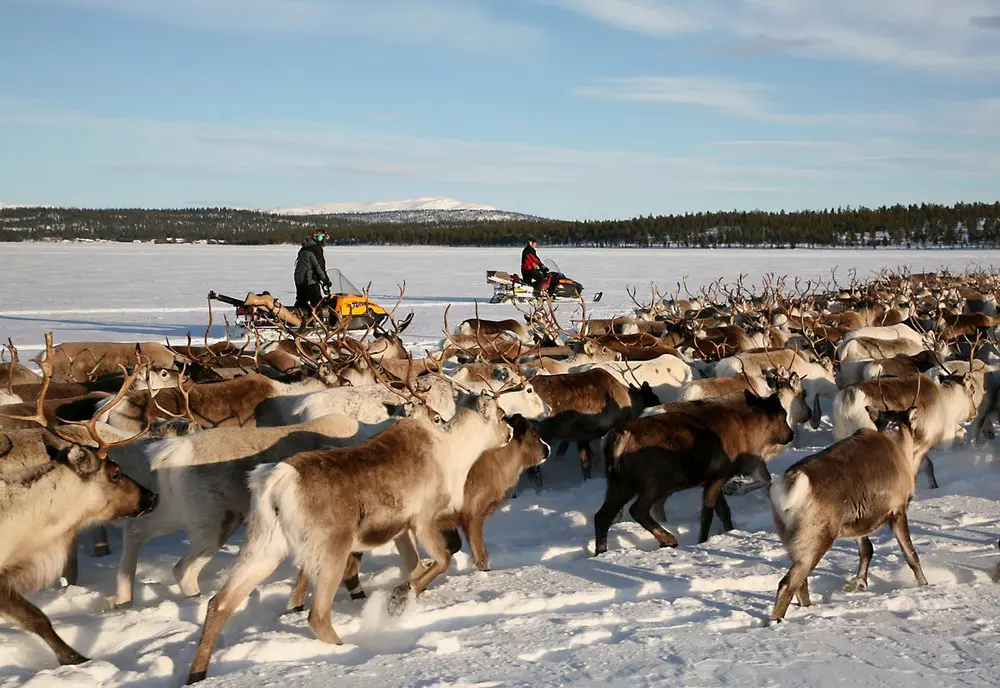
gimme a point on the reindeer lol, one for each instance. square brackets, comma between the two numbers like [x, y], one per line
[492, 329]
[869, 348]
[88, 361]
[688, 444]
[321, 506]
[43, 503]
[942, 409]
[848, 490]
[666, 374]
[201, 480]
[584, 406]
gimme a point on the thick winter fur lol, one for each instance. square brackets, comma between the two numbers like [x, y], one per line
[222, 404]
[493, 474]
[848, 490]
[818, 379]
[871, 348]
[84, 361]
[56, 411]
[17, 374]
[45, 498]
[887, 332]
[490, 329]
[667, 374]
[366, 404]
[202, 483]
[689, 444]
[320, 506]
[584, 406]
[942, 410]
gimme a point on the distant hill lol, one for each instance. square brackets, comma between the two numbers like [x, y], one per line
[426, 209]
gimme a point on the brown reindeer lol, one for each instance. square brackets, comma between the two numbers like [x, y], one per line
[848, 490]
[321, 506]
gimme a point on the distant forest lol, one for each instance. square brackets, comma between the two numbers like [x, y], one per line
[912, 226]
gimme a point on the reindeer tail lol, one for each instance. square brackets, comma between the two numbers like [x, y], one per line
[788, 496]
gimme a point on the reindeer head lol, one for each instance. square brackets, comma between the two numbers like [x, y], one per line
[774, 414]
[107, 492]
[533, 450]
[522, 400]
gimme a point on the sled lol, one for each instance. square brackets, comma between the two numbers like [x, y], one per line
[345, 307]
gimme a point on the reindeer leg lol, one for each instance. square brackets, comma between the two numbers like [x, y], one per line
[805, 560]
[71, 570]
[561, 449]
[802, 594]
[474, 533]
[351, 580]
[430, 537]
[297, 600]
[201, 548]
[901, 529]
[453, 540]
[29, 617]
[100, 541]
[253, 565]
[617, 494]
[709, 500]
[860, 582]
[723, 512]
[328, 579]
[928, 469]
[583, 449]
[640, 513]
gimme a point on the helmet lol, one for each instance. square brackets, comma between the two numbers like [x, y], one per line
[319, 236]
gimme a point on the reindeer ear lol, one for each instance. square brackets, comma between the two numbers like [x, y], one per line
[911, 415]
[518, 423]
[873, 413]
[83, 461]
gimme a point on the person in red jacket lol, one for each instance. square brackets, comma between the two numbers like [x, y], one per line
[532, 270]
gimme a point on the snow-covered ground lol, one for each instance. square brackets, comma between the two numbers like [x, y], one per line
[548, 613]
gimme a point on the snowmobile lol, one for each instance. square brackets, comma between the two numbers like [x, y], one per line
[555, 285]
[343, 306]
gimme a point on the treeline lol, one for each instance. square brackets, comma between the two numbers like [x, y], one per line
[911, 226]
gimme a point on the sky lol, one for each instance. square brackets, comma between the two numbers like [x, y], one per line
[575, 109]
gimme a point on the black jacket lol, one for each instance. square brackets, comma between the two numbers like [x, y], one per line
[310, 265]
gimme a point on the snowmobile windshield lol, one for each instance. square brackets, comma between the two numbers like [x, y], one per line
[342, 285]
[553, 266]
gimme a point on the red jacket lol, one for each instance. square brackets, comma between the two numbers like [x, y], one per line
[529, 259]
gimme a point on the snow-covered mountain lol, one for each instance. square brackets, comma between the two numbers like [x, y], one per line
[422, 203]
[430, 209]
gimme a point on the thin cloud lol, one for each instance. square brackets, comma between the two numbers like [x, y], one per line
[465, 24]
[991, 22]
[911, 34]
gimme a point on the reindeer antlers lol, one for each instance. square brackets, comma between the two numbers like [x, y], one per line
[91, 425]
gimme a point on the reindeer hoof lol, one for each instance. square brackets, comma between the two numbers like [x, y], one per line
[196, 677]
[296, 608]
[102, 550]
[483, 565]
[856, 585]
[73, 658]
[399, 599]
[359, 595]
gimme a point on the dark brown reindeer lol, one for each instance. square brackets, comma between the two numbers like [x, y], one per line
[689, 444]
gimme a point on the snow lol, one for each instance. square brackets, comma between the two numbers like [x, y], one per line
[421, 203]
[548, 613]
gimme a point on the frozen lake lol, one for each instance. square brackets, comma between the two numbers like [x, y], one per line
[146, 292]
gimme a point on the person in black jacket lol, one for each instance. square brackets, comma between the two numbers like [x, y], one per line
[310, 272]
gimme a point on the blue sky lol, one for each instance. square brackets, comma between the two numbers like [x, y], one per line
[562, 108]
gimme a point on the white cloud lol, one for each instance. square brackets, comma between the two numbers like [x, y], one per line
[466, 24]
[650, 17]
[708, 92]
[915, 34]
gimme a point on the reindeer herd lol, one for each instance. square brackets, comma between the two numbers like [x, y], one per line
[333, 445]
